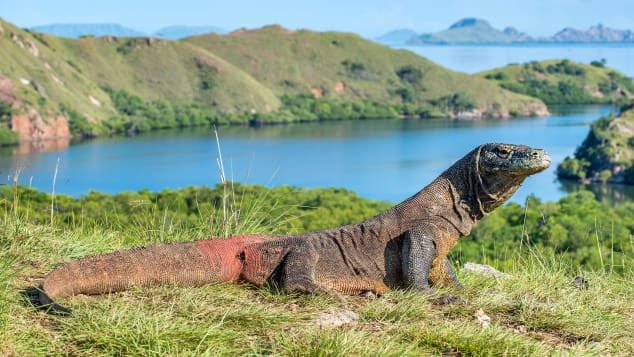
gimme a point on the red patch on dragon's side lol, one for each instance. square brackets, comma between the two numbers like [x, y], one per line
[260, 261]
[226, 255]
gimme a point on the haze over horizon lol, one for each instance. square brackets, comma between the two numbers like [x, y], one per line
[369, 18]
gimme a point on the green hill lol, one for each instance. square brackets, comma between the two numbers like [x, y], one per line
[564, 82]
[346, 66]
[172, 70]
[607, 153]
[54, 87]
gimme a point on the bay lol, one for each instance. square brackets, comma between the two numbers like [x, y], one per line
[379, 159]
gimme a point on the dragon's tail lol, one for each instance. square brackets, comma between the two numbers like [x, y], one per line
[187, 264]
[38, 298]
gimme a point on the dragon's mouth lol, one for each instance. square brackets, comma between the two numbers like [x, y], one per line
[541, 161]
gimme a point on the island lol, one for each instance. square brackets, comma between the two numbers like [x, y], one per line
[606, 154]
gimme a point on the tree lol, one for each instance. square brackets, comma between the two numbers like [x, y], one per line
[410, 74]
[5, 112]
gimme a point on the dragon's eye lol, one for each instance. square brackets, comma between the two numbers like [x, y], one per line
[503, 152]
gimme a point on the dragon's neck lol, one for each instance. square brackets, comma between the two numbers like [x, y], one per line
[450, 200]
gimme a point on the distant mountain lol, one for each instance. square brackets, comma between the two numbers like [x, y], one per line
[474, 31]
[471, 30]
[397, 37]
[78, 30]
[598, 33]
[178, 32]
[516, 35]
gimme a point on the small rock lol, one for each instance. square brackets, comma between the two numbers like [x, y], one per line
[369, 295]
[336, 319]
[580, 283]
[94, 101]
[482, 318]
[485, 270]
[451, 352]
[56, 79]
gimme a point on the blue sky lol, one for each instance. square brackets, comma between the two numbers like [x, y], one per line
[367, 17]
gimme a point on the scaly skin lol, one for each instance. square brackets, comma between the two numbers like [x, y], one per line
[403, 247]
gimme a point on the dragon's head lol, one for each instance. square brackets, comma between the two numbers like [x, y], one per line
[508, 160]
[501, 169]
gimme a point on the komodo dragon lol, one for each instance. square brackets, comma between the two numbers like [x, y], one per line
[403, 247]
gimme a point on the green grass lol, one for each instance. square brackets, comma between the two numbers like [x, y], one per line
[536, 311]
[564, 82]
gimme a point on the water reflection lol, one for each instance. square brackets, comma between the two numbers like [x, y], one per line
[41, 146]
[612, 194]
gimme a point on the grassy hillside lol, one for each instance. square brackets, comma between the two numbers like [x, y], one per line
[68, 72]
[564, 82]
[346, 66]
[50, 82]
[38, 73]
[170, 70]
[535, 311]
[606, 154]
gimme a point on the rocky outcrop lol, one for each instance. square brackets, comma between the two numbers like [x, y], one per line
[533, 109]
[340, 87]
[7, 88]
[30, 126]
[27, 122]
[498, 111]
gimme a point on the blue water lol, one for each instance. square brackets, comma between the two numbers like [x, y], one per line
[472, 59]
[380, 159]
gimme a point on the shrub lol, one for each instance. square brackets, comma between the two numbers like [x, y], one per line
[456, 102]
[565, 67]
[5, 112]
[78, 124]
[410, 74]
[499, 76]
[572, 169]
[207, 74]
[358, 70]
[605, 175]
[608, 86]
[8, 137]
[406, 94]
[600, 63]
